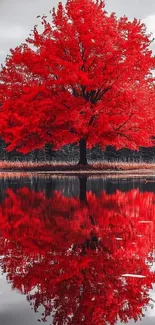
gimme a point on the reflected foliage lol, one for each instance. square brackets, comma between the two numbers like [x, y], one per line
[68, 255]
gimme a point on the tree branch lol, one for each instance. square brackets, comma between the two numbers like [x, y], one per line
[121, 125]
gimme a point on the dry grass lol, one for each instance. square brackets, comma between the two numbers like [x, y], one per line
[124, 165]
[29, 165]
[24, 164]
[71, 166]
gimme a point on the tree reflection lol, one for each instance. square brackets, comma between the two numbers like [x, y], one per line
[68, 255]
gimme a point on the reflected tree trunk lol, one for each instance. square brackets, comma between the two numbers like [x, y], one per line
[83, 189]
[92, 241]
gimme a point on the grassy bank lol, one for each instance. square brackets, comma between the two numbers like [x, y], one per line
[94, 167]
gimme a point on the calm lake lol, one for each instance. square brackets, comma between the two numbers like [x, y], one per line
[77, 251]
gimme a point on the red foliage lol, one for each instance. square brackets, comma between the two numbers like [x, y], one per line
[86, 75]
[69, 256]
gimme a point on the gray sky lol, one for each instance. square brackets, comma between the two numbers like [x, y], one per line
[17, 17]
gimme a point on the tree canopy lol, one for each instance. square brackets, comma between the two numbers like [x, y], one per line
[84, 75]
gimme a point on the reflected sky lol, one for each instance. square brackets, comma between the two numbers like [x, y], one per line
[13, 307]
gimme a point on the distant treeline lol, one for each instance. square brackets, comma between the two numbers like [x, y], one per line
[71, 153]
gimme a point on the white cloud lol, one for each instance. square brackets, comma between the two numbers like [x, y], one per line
[149, 21]
[11, 35]
[12, 32]
[2, 52]
[17, 19]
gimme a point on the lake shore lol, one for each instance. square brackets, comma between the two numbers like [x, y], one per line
[106, 169]
[74, 167]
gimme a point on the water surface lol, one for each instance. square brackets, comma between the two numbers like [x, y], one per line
[77, 251]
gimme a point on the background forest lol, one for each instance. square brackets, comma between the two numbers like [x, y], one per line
[70, 153]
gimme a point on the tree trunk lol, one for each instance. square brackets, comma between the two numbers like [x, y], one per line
[82, 192]
[83, 154]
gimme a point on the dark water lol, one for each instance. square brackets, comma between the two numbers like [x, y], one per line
[77, 251]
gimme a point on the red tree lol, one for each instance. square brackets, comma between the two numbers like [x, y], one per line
[86, 78]
[72, 259]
